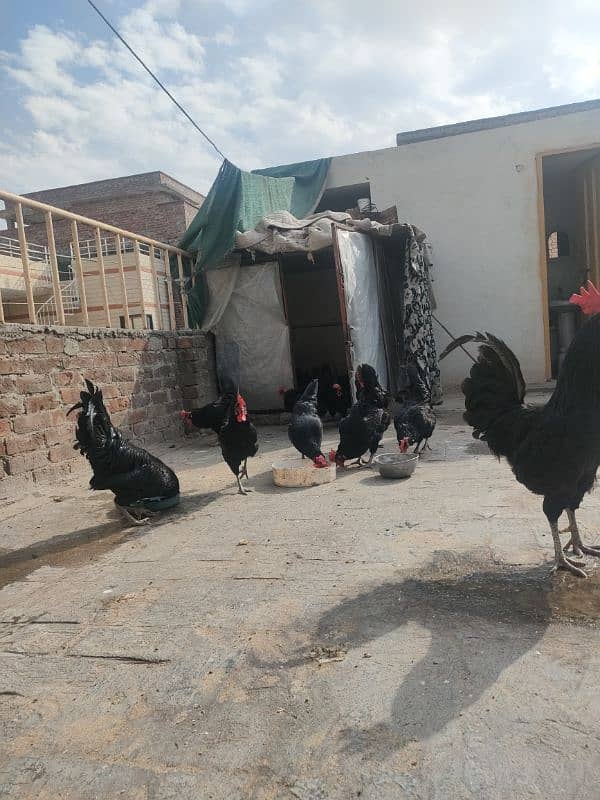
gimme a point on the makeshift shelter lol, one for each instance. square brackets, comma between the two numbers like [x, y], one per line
[291, 295]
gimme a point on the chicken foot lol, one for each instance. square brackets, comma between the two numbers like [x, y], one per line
[560, 559]
[244, 472]
[579, 548]
[241, 489]
[129, 515]
[366, 463]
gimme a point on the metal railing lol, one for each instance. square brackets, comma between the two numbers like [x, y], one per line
[12, 248]
[69, 297]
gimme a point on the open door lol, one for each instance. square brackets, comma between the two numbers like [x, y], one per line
[359, 301]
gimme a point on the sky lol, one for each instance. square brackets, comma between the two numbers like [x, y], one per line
[270, 82]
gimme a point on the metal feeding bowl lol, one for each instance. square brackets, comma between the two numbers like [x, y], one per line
[396, 465]
[297, 473]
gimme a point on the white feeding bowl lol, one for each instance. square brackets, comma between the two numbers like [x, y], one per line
[296, 473]
[396, 465]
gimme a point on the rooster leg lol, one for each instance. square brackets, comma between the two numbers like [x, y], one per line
[129, 515]
[579, 548]
[244, 472]
[560, 559]
[241, 489]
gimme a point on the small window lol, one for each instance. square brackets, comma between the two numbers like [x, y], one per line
[136, 322]
[558, 245]
[149, 322]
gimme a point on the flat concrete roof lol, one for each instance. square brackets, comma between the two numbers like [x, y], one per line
[488, 123]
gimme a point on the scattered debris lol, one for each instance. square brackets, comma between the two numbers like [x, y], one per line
[367, 655]
[242, 542]
[326, 655]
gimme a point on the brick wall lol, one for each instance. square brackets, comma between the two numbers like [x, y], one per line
[155, 214]
[146, 378]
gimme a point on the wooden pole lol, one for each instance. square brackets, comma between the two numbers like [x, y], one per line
[100, 258]
[60, 312]
[172, 321]
[79, 271]
[25, 264]
[138, 266]
[1, 310]
[123, 284]
[159, 318]
[182, 294]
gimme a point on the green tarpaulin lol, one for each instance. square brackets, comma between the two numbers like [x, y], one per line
[237, 201]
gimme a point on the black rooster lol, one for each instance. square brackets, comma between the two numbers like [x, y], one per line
[415, 419]
[554, 450]
[140, 482]
[238, 439]
[306, 429]
[211, 416]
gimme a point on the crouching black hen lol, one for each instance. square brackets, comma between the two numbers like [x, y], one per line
[141, 483]
[238, 439]
[415, 419]
[306, 429]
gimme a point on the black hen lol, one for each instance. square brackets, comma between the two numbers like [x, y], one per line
[360, 431]
[306, 429]
[368, 387]
[211, 416]
[554, 450]
[139, 480]
[415, 419]
[238, 439]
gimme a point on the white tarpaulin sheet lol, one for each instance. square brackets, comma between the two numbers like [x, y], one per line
[357, 258]
[252, 337]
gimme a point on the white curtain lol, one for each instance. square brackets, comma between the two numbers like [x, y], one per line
[252, 336]
[357, 258]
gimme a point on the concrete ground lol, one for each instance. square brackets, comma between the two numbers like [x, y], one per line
[365, 638]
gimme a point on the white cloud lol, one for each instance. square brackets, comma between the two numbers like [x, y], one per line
[273, 83]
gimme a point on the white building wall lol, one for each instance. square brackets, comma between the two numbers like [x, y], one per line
[480, 214]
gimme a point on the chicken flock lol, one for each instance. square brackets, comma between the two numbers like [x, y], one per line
[553, 450]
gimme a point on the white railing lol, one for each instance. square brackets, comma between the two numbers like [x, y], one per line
[46, 313]
[108, 247]
[12, 248]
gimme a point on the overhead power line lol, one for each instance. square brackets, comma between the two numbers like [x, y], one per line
[153, 76]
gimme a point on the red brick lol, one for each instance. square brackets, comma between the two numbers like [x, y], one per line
[44, 365]
[156, 342]
[109, 390]
[117, 345]
[7, 384]
[40, 402]
[33, 384]
[62, 452]
[37, 422]
[126, 359]
[23, 444]
[68, 377]
[11, 404]
[32, 344]
[11, 366]
[70, 395]
[137, 415]
[183, 342]
[25, 462]
[93, 345]
[61, 434]
[117, 404]
[4, 427]
[55, 344]
[137, 344]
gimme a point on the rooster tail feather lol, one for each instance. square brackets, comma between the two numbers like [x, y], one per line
[494, 392]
